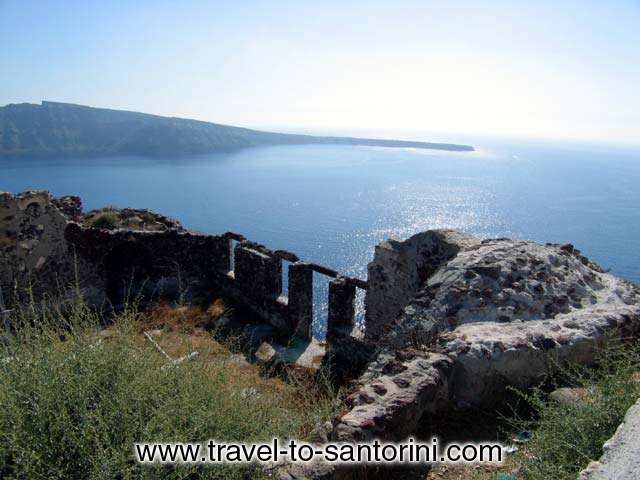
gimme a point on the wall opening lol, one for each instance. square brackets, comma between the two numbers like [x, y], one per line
[285, 278]
[320, 305]
[359, 309]
[232, 257]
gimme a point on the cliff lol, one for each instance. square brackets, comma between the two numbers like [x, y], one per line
[60, 128]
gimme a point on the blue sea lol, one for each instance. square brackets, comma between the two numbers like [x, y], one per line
[333, 204]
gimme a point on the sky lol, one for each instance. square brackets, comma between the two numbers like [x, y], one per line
[545, 69]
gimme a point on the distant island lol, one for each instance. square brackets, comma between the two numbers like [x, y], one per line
[54, 128]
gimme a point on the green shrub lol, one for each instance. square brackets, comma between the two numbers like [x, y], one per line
[73, 403]
[107, 220]
[567, 436]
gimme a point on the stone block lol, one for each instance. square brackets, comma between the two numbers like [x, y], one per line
[301, 299]
[258, 274]
[341, 316]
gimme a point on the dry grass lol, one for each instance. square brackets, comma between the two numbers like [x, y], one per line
[92, 393]
[185, 318]
[181, 330]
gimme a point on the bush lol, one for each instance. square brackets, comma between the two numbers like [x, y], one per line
[107, 220]
[73, 402]
[567, 436]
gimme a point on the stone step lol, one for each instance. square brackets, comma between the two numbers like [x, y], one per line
[303, 354]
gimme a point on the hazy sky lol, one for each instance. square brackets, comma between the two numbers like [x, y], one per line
[530, 68]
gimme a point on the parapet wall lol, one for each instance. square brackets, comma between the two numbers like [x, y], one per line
[43, 243]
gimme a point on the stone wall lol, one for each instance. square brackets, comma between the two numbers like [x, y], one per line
[131, 263]
[482, 316]
[400, 268]
[43, 242]
[256, 281]
[497, 313]
[34, 255]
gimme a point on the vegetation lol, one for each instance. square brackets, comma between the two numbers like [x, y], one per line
[112, 217]
[74, 397]
[106, 219]
[557, 440]
[568, 435]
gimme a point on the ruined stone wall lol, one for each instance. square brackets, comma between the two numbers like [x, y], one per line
[455, 319]
[400, 268]
[33, 253]
[151, 263]
[498, 313]
[44, 243]
[146, 263]
[256, 281]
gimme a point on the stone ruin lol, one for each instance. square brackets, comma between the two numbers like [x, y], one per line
[46, 246]
[451, 321]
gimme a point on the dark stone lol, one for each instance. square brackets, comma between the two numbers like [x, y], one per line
[469, 274]
[544, 343]
[301, 299]
[487, 271]
[324, 270]
[406, 355]
[393, 367]
[365, 397]
[379, 388]
[70, 206]
[285, 255]
[257, 274]
[341, 314]
[567, 247]
[401, 382]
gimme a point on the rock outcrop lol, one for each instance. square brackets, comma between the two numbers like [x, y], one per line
[621, 457]
[456, 320]
[401, 268]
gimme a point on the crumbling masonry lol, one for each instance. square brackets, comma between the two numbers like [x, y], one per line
[450, 320]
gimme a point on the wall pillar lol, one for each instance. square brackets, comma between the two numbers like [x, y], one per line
[342, 295]
[223, 253]
[301, 299]
[257, 274]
